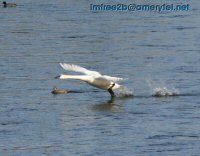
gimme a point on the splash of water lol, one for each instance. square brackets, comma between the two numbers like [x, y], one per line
[123, 91]
[164, 91]
[161, 90]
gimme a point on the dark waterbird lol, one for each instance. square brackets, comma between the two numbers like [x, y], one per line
[62, 91]
[5, 4]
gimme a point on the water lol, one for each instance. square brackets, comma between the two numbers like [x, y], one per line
[162, 48]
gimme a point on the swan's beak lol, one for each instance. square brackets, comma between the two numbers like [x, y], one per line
[57, 77]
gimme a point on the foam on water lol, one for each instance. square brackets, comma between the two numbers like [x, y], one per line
[164, 91]
[161, 90]
[123, 91]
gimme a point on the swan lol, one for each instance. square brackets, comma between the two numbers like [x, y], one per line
[93, 78]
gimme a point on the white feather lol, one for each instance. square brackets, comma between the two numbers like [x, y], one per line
[115, 79]
[72, 67]
[79, 69]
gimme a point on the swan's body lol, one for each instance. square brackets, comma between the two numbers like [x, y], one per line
[91, 77]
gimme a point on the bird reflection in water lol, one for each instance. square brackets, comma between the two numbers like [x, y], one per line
[114, 104]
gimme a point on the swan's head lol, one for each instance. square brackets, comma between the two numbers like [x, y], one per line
[60, 77]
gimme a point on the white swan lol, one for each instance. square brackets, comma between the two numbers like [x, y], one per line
[91, 77]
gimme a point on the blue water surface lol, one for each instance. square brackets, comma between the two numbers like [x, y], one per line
[151, 49]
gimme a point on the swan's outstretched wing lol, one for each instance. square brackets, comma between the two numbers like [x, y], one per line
[79, 69]
[115, 79]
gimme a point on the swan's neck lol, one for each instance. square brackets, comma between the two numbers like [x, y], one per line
[77, 77]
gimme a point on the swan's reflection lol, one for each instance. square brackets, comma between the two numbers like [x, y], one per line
[104, 106]
[113, 104]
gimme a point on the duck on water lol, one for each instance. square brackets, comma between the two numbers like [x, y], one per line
[5, 4]
[93, 78]
[62, 91]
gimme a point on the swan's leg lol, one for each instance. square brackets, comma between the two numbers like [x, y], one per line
[111, 91]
